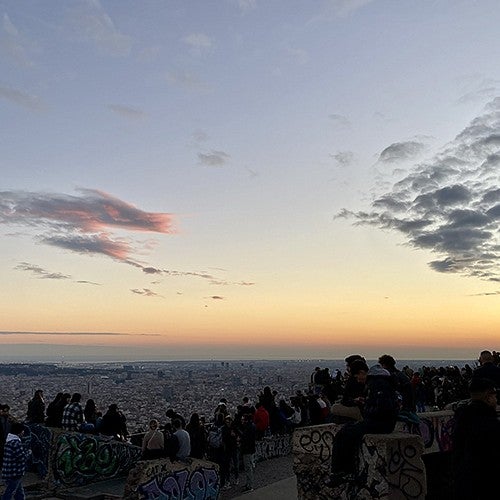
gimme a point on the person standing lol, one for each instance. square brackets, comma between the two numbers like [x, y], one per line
[14, 463]
[476, 443]
[247, 449]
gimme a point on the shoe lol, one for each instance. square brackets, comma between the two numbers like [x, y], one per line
[338, 478]
[247, 488]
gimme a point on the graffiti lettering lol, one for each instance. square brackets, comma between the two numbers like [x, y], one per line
[317, 442]
[199, 484]
[80, 459]
[274, 447]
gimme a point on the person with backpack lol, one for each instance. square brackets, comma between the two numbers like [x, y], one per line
[379, 417]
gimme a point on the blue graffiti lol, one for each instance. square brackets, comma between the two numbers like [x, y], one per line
[200, 484]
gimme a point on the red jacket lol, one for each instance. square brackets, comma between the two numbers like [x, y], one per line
[261, 419]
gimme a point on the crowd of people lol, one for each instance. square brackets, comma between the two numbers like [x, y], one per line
[370, 399]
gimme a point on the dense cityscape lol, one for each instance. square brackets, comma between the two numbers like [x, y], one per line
[145, 390]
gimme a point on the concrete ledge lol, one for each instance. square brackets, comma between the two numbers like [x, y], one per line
[390, 466]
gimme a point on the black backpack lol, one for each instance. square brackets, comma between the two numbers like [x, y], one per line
[382, 400]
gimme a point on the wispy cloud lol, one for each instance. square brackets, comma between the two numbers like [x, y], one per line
[39, 272]
[112, 334]
[214, 158]
[301, 56]
[199, 43]
[14, 45]
[88, 21]
[20, 98]
[188, 81]
[343, 158]
[343, 8]
[145, 292]
[340, 121]
[84, 223]
[216, 297]
[127, 112]
[450, 204]
[245, 5]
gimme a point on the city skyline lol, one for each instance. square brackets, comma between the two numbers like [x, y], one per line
[242, 179]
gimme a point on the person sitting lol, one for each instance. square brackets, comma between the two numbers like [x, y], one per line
[73, 414]
[379, 417]
[183, 440]
[114, 423]
[153, 443]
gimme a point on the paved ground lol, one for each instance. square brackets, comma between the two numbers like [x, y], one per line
[267, 474]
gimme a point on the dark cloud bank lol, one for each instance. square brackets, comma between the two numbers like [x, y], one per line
[449, 204]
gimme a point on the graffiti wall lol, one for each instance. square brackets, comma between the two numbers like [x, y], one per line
[315, 440]
[435, 428]
[162, 480]
[276, 446]
[390, 466]
[83, 458]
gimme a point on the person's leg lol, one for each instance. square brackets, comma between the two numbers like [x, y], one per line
[248, 465]
[19, 493]
[11, 487]
[345, 447]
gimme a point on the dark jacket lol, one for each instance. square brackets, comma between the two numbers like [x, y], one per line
[247, 441]
[476, 451]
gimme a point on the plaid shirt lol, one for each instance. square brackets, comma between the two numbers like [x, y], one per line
[72, 417]
[14, 458]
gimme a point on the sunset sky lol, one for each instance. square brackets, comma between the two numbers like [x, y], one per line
[240, 179]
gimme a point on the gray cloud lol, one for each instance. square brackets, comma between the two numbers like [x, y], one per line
[399, 151]
[450, 203]
[214, 158]
[340, 120]
[343, 158]
[82, 224]
[127, 112]
[20, 98]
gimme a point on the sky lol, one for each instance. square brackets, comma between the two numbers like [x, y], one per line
[243, 179]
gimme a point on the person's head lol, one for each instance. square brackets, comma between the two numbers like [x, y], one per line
[245, 400]
[17, 428]
[194, 420]
[153, 424]
[76, 398]
[177, 424]
[170, 413]
[387, 362]
[113, 408]
[350, 360]
[359, 370]
[39, 394]
[228, 420]
[485, 357]
[66, 398]
[90, 404]
[483, 389]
